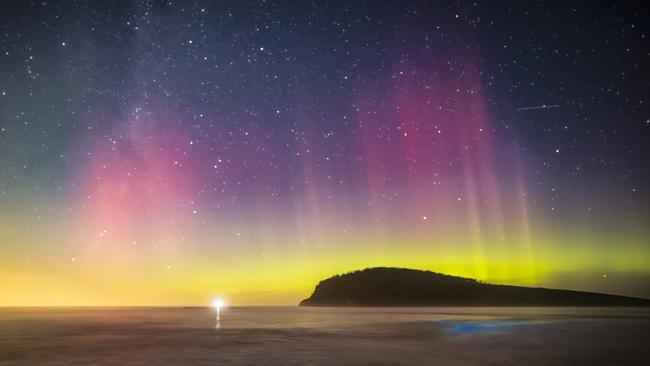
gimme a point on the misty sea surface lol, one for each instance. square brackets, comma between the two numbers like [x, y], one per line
[325, 336]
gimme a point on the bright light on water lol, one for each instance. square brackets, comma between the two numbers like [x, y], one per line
[218, 303]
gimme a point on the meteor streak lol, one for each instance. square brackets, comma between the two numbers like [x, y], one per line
[543, 106]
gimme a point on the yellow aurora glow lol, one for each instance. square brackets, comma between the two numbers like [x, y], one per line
[32, 274]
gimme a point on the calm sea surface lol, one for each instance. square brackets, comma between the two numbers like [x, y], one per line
[325, 336]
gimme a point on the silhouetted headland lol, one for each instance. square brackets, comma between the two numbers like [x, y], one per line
[408, 287]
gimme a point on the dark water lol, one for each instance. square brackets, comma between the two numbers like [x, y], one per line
[327, 336]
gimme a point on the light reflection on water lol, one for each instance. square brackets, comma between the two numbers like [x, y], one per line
[290, 335]
[483, 326]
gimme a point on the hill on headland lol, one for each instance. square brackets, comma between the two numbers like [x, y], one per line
[407, 287]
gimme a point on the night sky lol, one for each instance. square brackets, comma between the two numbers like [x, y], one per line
[165, 152]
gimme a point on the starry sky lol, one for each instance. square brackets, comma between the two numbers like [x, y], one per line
[166, 152]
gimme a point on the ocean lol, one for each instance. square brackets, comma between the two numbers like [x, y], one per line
[325, 336]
